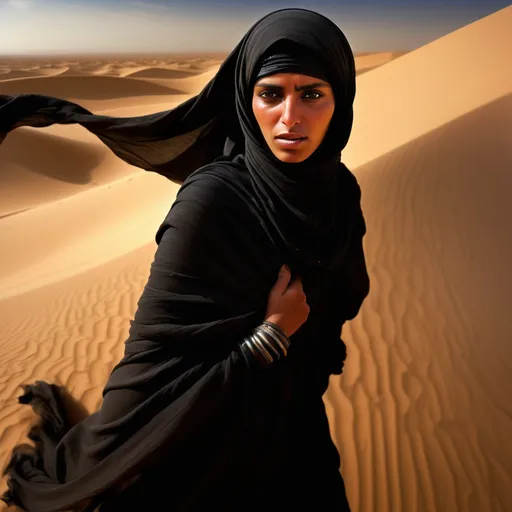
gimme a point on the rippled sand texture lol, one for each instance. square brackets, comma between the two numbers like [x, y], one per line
[422, 414]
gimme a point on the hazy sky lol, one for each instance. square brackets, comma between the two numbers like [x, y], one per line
[67, 26]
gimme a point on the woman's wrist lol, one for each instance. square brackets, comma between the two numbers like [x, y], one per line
[275, 326]
[266, 344]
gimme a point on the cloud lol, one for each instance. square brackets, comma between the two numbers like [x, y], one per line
[21, 5]
[139, 4]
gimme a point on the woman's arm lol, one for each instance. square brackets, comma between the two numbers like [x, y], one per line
[206, 280]
[355, 274]
[354, 282]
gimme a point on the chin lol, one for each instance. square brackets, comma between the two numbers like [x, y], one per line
[291, 157]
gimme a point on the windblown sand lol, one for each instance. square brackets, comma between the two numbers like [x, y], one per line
[422, 415]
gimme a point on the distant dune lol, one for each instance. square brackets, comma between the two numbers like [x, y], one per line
[370, 61]
[84, 87]
[160, 73]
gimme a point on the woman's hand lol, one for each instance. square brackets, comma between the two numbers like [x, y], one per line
[287, 306]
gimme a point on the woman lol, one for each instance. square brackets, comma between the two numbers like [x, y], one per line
[218, 398]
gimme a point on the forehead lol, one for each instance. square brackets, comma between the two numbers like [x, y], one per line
[290, 80]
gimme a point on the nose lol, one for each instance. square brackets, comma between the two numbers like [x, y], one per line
[291, 114]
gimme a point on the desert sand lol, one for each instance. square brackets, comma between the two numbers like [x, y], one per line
[422, 413]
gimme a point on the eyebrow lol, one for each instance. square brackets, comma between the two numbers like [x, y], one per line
[297, 87]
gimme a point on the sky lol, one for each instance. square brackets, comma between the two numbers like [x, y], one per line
[41, 27]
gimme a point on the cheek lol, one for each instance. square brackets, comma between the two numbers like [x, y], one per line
[264, 116]
[255, 108]
[323, 117]
[258, 112]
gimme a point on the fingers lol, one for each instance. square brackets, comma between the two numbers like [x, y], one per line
[287, 304]
[283, 285]
[297, 289]
[283, 279]
[294, 288]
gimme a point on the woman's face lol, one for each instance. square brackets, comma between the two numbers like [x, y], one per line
[293, 112]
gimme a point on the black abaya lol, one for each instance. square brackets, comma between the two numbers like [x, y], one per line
[183, 401]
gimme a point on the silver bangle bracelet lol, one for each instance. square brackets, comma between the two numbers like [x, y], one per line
[262, 349]
[280, 343]
[258, 333]
[253, 350]
[256, 350]
[277, 331]
[266, 343]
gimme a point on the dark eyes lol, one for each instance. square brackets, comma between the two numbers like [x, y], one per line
[308, 95]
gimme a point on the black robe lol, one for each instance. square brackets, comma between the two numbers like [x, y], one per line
[186, 419]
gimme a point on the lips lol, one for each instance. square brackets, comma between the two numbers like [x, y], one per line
[291, 136]
[289, 141]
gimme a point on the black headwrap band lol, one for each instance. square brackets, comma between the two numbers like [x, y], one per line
[293, 59]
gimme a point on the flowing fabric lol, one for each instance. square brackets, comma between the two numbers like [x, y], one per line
[186, 418]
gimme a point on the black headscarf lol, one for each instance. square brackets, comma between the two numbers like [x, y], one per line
[301, 199]
[185, 416]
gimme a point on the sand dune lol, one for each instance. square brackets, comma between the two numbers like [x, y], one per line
[109, 65]
[204, 64]
[86, 87]
[160, 73]
[10, 67]
[431, 86]
[80, 70]
[130, 106]
[421, 414]
[62, 161]
[370, 61]
[81, 322]
[424, 404]
[190, 85]
[77, 233]
[44, 173]
[66, 160]
[8, 74]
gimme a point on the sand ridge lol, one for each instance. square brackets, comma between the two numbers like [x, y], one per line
[431, 86]
[422, 413]
[114, 65]
[83, 87]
